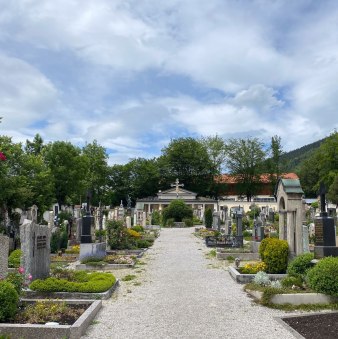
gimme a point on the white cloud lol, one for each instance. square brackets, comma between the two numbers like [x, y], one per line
[26, 95]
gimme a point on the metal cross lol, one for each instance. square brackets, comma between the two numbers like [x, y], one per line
[177, 185]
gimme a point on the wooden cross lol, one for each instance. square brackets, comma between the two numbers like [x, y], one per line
[177, 185]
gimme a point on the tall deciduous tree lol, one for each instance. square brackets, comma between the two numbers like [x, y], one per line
[245, 158]
[188, 160]
[96, 175]
[322, 166]
[68, 169]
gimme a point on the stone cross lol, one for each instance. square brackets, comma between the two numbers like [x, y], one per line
[177, 185]
[322, 192]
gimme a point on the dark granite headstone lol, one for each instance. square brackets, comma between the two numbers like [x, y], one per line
[325, 235]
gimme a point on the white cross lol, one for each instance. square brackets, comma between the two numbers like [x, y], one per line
[177, 185]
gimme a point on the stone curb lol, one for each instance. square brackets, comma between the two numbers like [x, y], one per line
[33, 331]
[246, 278]
[296, 298]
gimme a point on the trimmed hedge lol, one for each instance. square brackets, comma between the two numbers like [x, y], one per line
[323, 278]
[88, 283]
[274, 253]
[9, 299]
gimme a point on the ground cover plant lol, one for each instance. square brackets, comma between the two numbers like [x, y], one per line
[44, 311]
[63, 280]
[109, 259]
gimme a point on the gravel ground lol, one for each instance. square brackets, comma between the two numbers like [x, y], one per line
[179, 293]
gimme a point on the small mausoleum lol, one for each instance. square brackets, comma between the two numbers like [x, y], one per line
[289, 195]
[164, 198]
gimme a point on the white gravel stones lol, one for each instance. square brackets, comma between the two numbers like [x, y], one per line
[182, 296]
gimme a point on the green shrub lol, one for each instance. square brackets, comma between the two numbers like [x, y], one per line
[14, 259]
[155, 218]
[291, 280]
[177, 210]
[144, 243]
[9, 299]
[118, 237]
[170, 222]
[323, 278]
[138, 228]
[274, 253]
[208, 218]
[188, 222]
[91, 259]
[300, 265]
[94, 283]
[58, 240]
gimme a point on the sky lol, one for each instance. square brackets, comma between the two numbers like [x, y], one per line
[135, 74]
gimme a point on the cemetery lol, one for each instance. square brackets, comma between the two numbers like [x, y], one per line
[69, 265]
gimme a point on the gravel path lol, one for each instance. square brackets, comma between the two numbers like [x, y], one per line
[179, 293]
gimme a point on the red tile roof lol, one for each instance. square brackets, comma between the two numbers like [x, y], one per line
[264, 178]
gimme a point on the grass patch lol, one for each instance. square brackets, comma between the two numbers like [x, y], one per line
[129, 277]
[211, 254]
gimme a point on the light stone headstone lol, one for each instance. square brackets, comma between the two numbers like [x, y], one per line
[306, 248]
[216, 221]
[144, 219]
[135, 219]
[35, 246]
[4, 248]
[128, 222]
[78, 229]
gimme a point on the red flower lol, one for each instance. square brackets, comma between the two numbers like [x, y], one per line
[2, 156]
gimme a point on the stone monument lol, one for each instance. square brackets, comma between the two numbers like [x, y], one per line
[325, 235]
[35, 246]
[87, 221]
[4, 248]
[216, 221]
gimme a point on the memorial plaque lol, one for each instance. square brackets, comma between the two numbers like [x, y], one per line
[41, 241]
[319, 232]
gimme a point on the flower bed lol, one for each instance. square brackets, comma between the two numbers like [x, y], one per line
[109, 262]
[71, 331]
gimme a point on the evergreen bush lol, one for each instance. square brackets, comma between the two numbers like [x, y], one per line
[208, 218]
[274, 252]
[323, 278]
[155, 218]
[299, 266]
[14, 259]
[9, 299]
[188, 222]
[177, 210]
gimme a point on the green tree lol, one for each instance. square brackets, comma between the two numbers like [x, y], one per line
[321, 166]
[95, 160]
[34, 147]
[144, 177]
[188, 160]
[333, 191]
[68, 169]
[15, 190]
[245, 159]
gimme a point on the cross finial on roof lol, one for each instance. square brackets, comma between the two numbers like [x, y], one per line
[177, 185]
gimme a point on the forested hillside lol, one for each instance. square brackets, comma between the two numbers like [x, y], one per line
[291, 161]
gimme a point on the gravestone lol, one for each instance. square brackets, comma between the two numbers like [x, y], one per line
[135, 219]
[216, 221]
[78, 229]
[128, 222]
[4, 248]
[239, 228]
[35, 246]
[144, 219]
[325, 235]
[87, 221]
[306, 247]
[259, 229]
